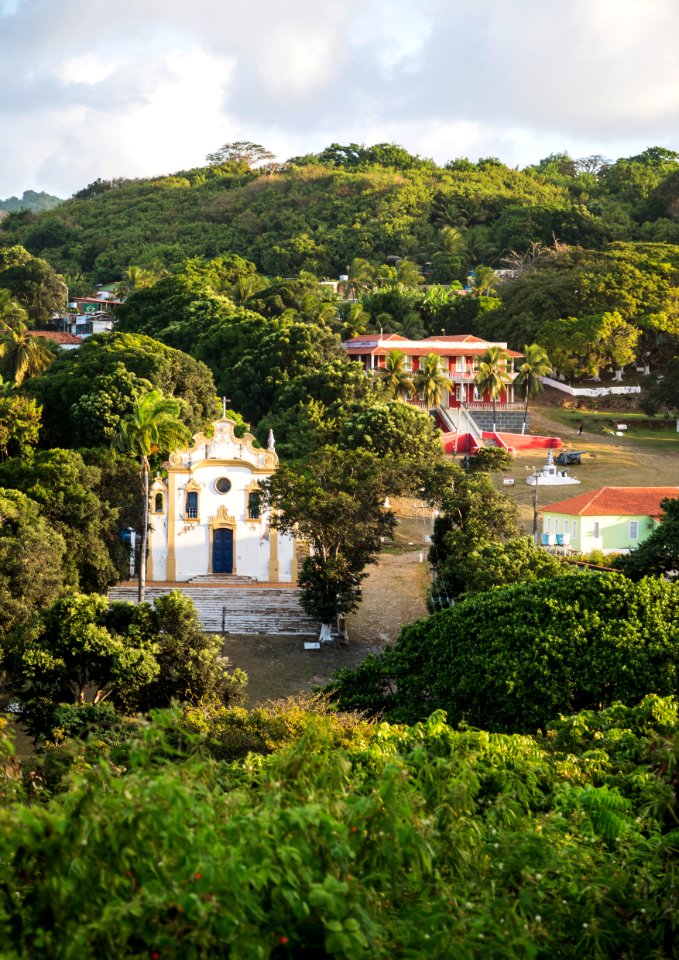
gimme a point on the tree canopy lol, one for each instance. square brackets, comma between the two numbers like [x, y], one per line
[87, 392]
[516, 657]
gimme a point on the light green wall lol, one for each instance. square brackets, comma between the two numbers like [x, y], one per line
[613, 531]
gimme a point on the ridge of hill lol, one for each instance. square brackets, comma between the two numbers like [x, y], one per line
[35, 201]
[319, 212]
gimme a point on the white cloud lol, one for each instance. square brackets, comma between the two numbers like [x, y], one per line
[130, 89]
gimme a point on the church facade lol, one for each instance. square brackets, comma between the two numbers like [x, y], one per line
[206, 519]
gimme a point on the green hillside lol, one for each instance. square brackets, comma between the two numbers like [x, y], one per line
[319, 212]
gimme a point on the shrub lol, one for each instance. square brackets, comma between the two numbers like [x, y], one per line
[514, 658]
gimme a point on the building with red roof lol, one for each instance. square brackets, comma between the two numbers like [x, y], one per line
[458, 362]
[610, 519]
[67, 341]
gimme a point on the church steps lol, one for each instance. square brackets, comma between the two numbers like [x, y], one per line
[242, 609]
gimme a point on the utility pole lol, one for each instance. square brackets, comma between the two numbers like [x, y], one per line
[535, 506]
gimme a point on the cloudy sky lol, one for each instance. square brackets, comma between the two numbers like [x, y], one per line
[104, 88]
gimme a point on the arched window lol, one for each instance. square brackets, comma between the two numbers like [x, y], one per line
[254, 505]
[159, 503]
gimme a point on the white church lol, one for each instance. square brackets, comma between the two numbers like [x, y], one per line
[206, 520]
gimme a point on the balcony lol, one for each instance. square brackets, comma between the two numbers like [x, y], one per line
[485, 405]
[469, 374]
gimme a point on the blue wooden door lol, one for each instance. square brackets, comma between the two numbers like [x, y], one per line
[222, 551]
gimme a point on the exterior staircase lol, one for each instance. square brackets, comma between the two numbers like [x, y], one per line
[225, 579]
[241, 609]
[460, 421]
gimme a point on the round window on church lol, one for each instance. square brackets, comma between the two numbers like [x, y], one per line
[223, 485]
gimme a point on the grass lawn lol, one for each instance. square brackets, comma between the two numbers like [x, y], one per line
[641, 458]
[601, 424]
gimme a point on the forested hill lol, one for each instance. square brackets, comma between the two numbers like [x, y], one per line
[319, 212]
[30, 200]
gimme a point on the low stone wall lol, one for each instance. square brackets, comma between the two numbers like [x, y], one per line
[589, 391]
[506, 421]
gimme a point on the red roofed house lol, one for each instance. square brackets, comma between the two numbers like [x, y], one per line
[611, 519]
[458, 361]
[67, 341]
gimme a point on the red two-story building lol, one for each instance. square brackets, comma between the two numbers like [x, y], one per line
[458, 361]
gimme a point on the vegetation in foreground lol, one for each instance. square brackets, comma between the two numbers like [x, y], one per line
[345, 839]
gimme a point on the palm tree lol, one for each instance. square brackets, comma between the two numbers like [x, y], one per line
[22, 354]
[453, 241]
[352, 320]
[485, 281]
[536, 364]
[431, 382]
[492, 376]
[11, 312]
[152, 427]
[409, 274]
[396, 379]
[359, 279]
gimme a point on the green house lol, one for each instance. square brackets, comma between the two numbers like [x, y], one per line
[610, 519]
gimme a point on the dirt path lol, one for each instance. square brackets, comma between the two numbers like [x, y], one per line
[394, 593]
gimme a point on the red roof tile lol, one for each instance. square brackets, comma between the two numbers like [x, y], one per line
[615, 502]
[56, 336]
[463, 344]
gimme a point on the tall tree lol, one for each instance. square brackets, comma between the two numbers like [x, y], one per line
[240, 151]
[492, 377]
[430, 381]
[484, 281]
[31, 560]
[152, 427]
[658, 555]
[335, 502]
[536, 364]
[33, 283]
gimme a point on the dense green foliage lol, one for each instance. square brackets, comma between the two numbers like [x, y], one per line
[20, 419]
[353, 841]
[87, 392]
[320, 212]
[33, 282]
[473, 514]
[31, 557]
[79, 653]
[69, 494]
[515, 657]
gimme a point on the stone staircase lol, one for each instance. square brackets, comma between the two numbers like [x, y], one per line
[236, 609]
[225, 579]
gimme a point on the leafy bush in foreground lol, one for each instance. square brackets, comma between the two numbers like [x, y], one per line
[388, 842]
[514, 658]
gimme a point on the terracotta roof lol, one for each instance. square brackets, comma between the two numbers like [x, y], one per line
[56, 336]
[464, 345]
[615, 501]
[459, 338]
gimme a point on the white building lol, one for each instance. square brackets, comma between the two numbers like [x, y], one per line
[206, 518]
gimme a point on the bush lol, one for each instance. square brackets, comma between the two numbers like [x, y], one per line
[514, 658]
[357, 842]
